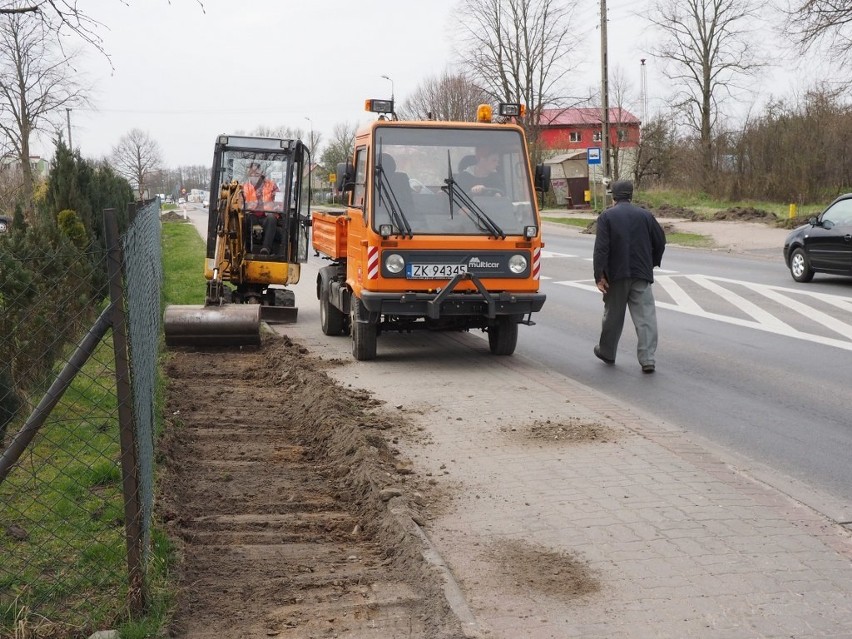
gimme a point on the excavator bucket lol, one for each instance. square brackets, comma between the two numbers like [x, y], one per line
[279, 314]
[226, 325]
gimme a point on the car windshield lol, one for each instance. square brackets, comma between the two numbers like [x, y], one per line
[451, 181]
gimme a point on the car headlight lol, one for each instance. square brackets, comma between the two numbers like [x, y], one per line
[517, 264]
[394, 263]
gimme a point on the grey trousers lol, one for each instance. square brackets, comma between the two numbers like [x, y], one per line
[638, 296]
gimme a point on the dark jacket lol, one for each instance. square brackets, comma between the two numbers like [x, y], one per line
[629, 243]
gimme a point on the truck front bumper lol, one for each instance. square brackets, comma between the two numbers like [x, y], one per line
[445, 303]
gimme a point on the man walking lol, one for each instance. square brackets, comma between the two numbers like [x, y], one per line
[628, 245]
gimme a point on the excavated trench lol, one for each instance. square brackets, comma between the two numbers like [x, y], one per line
[292, 514]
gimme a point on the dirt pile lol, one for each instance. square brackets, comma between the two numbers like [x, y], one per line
[668, 210]
[293, 515]
[173, 216]
[745, 214]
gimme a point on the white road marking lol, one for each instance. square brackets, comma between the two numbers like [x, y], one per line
[762, 320]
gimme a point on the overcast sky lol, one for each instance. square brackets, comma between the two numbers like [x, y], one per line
[185, 74]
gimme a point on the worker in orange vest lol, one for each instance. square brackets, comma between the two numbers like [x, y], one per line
[259, 194]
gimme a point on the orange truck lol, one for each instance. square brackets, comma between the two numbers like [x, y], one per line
[441, 231]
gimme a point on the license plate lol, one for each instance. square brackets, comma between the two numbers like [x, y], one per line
[434, 271]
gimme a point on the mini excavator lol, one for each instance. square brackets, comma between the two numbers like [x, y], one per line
[263, 187]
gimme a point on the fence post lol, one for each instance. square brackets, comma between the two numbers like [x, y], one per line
[129, 464]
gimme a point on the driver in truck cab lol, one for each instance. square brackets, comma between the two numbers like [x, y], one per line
[482, 177]
[259, 193]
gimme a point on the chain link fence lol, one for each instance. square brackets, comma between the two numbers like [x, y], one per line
[78, 365]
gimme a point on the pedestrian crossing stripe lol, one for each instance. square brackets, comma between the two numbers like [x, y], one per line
[761, 319]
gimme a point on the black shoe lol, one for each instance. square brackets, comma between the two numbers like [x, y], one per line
[648, 368]
[601, 357]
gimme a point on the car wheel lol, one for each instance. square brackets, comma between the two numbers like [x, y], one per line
[800, 266]
[503, 336]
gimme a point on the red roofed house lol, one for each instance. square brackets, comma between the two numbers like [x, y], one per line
[568, 133]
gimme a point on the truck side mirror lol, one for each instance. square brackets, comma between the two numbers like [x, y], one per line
[542, 178]
[345, 177]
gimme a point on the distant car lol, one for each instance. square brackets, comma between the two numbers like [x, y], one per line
[5, 223]
[206, 204]
[824, 244]
[181, 200]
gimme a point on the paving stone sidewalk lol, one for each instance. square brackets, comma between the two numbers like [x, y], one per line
[683, 540]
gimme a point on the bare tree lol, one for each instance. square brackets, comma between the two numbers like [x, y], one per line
[36, 85]
[520, 51]
[135, 157]
[621, 101]
[57, 17]
[310, 138]
[61, 18]
[341, 146]
[707, 47]
[814, 21]
[451, 97]
[657, 154]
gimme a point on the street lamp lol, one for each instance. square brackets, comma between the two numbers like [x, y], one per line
[389, 79]
[311, 139]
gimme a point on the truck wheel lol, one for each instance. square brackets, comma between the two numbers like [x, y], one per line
[363, 334]
[503, 336]
[331, 319]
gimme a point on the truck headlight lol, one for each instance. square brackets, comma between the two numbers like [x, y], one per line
[394, 263]
[517, 264]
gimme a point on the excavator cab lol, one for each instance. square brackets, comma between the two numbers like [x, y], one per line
[257, 239]
[274, 178]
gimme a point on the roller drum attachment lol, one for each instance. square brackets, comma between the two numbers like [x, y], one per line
[228, 325]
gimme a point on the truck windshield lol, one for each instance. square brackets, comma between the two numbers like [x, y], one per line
[427, 169]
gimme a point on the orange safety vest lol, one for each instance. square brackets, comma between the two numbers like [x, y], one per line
[267, 194]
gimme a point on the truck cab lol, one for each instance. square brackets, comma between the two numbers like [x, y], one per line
[441, 232]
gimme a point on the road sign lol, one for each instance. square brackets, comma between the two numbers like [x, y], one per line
[594, 155]
[332, 178]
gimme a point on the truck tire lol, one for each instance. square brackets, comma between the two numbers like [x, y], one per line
[363, 334]
[331, 319]
[503, 336]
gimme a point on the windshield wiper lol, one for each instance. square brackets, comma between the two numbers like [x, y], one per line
[455, 191]
[394, 209]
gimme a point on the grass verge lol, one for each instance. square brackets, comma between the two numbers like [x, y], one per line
[680, 239]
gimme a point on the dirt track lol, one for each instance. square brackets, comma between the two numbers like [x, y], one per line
[293, 515]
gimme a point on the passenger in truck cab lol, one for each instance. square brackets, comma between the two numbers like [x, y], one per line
[259, 194]
[481, 177]
[398, 181]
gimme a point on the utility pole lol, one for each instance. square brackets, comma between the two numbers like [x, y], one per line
[68, 122]
[604, 99]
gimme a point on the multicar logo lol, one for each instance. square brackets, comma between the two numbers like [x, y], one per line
[475, 262]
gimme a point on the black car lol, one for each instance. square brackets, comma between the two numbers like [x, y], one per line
[824, 244]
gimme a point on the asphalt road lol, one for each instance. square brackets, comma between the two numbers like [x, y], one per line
[748, 359]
